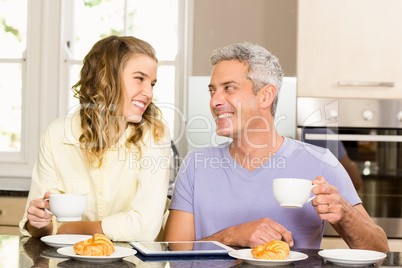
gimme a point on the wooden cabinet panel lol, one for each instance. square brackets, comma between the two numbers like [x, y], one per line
[11, 210]
[9, 230]
[349, 42]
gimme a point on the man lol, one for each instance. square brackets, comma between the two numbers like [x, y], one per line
[225, 193]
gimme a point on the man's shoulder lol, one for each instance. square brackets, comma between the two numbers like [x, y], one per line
[293, 144]
[310, 152]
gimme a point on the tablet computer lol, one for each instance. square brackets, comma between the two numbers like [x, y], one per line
[181, 248]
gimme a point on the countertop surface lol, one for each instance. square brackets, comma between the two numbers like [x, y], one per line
[16, 251]
[14, 186]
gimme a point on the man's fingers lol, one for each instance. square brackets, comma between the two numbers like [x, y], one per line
[287, 237]
[278, 232]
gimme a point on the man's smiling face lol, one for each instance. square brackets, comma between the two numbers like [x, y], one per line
[233, 101]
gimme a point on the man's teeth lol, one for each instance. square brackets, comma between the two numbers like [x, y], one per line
[225, 115]
[138, 103]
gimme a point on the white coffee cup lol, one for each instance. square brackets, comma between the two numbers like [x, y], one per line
[292, 192]
[67, 207]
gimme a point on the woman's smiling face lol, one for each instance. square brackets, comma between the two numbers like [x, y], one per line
[139, 78]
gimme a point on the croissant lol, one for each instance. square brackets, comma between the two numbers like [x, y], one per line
[274, 250]
[98, 245]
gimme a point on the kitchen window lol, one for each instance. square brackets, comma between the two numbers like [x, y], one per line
[41, 51]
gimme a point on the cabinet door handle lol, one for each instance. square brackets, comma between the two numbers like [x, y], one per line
[366, 84]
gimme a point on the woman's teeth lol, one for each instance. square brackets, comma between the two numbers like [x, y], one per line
[225, 115]
[138, 103]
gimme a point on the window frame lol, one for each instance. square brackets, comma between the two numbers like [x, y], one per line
[45, 84]
[20, 164]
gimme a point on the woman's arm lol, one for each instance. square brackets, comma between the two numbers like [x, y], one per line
[81, 227]
[143, 215]
[36, 221]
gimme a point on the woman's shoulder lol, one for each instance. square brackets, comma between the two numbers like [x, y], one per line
[64, 125]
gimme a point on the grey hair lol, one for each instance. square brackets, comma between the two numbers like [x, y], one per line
[264, 68]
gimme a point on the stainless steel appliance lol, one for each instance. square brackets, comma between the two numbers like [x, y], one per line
[371, 133]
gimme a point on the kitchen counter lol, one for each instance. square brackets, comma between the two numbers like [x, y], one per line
[14, 193]
[16, 251]
[14, 186]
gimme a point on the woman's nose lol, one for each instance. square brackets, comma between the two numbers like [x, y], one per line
[147, 91]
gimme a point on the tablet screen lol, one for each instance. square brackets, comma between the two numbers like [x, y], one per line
[179, 248]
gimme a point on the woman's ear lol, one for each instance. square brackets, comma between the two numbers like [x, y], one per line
[266, 96]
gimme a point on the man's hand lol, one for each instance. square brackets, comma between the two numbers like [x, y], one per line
[180, 227]
[256, 233]
[328, 203]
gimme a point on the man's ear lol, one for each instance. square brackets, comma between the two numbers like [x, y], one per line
[266, 96]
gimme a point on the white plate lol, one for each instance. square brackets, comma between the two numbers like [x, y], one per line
[119, 253]
[51, 253]
[352, 257]
[245, 255]
[59, 241]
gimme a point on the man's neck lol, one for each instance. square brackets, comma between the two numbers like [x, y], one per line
[252, 153]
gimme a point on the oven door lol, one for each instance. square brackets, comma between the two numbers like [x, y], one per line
[378, 155]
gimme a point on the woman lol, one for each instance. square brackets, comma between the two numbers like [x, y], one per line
[115, 149]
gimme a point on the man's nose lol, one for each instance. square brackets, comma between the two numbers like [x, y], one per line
[217, 99]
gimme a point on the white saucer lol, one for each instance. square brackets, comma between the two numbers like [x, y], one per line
[245, 255]
[352, 257]
[118, 254]
[59, 241]
[51, 253]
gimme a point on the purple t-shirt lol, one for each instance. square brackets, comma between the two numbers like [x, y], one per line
[220, 193]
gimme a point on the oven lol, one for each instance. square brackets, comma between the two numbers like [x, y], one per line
[369, 132]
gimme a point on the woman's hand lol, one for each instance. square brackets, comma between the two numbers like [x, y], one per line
[37, 216]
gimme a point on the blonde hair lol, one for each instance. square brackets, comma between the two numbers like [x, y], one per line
[100, 93]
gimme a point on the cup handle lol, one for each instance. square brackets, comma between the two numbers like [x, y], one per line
[314, 185]
[48, 211]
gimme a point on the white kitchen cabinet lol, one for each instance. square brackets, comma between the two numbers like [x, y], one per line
[11, 211]
[349, 49]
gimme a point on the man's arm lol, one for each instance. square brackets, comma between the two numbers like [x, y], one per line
[180, 227]
[353, 224]
[359, 231]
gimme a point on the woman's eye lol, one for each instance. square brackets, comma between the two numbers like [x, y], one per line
[140, 78]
